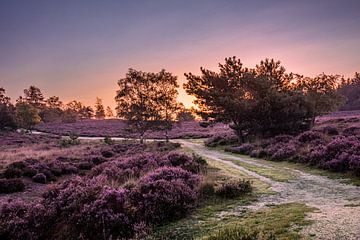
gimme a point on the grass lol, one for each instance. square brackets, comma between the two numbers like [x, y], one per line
[214, 214]
[277, 175]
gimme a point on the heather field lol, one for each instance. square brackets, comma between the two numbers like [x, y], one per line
[118, 128]
[56, 187]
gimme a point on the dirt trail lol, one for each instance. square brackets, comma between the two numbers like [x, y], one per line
[338, 203]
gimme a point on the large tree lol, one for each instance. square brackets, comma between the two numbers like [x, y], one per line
[351, 91]
[262, 101]
[146, 100]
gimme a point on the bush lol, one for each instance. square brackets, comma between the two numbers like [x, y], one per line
[11, 185]
[107, 153]
[221, 139]
[308, 136]
[245, 148]
[184, 161]
[165, 194]
[207, 189]
[39, 178]
[285, 152]
[108, 141]
[106, 217]
[234, 189]
[330, 130]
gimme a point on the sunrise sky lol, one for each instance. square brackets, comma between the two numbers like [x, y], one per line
[79, 49]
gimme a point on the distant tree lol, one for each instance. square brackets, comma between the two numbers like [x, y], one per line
[99, 109]
[86, 112]
[321, 92]
[351, 91]
[74, 106]
[34, 97]
[53, 110]
[54, 102]
[184, 114]
[109, 112]
[7, 116]
[144, 100]
[27, 115]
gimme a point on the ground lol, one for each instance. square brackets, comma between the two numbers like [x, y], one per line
[335, 204]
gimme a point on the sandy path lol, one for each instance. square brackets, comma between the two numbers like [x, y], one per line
[338, 203]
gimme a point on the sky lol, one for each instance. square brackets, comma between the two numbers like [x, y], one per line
[78, 49]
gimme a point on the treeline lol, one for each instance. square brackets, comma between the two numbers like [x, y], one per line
[33, 108]
[259, 102]
[351, 90]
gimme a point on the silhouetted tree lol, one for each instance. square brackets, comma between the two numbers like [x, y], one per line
[265, 100]
[185, 114]
[7, 112]
[52, 111]
[34, 97]
[86, 112]
[27, 115]
[166, 101]
[144, 100]
[109, 112]
[351, 91]
[99, 109]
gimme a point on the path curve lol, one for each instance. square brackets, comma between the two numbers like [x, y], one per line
[338, 203]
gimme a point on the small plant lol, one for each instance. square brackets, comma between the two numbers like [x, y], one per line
[108, 141]
[234, 189]
[240, 233]
[39, 178]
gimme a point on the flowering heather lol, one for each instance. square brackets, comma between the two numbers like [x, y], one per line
[118, 128]
[245, 148]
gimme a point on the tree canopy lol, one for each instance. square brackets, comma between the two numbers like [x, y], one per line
[262, 101]
[147, 100]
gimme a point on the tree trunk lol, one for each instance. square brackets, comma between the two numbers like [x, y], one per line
[166, 136]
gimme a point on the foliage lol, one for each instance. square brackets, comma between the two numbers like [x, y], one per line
[11, 185]
[99, 109]
[108, 140]
[256, 101]
[7, 112]
[147, 100]
[26, 115]
[351, 91]
[234, 189]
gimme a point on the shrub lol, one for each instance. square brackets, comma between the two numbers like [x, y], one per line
[12, 172]
[39, 178]
[85, 165]
[234, 189]
[245, 148]
[11, 185]
[330, 130]
[107, 153]
[221, 139]
[165, 194]
[108, 141]
[351, 131]
[106, 217]
[284, 152]
[354, 164]
[308, 136]
[184, 161]
[207, 189]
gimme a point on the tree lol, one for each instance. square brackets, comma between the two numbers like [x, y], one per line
[185, 114]
[86, 112]
[34, 96]
[351, 91]
[99, 109]
[27, 115]
[145, 100]
[7, 118]
[263, 101]
[321, 92]
[109, 112]
[52, 111]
